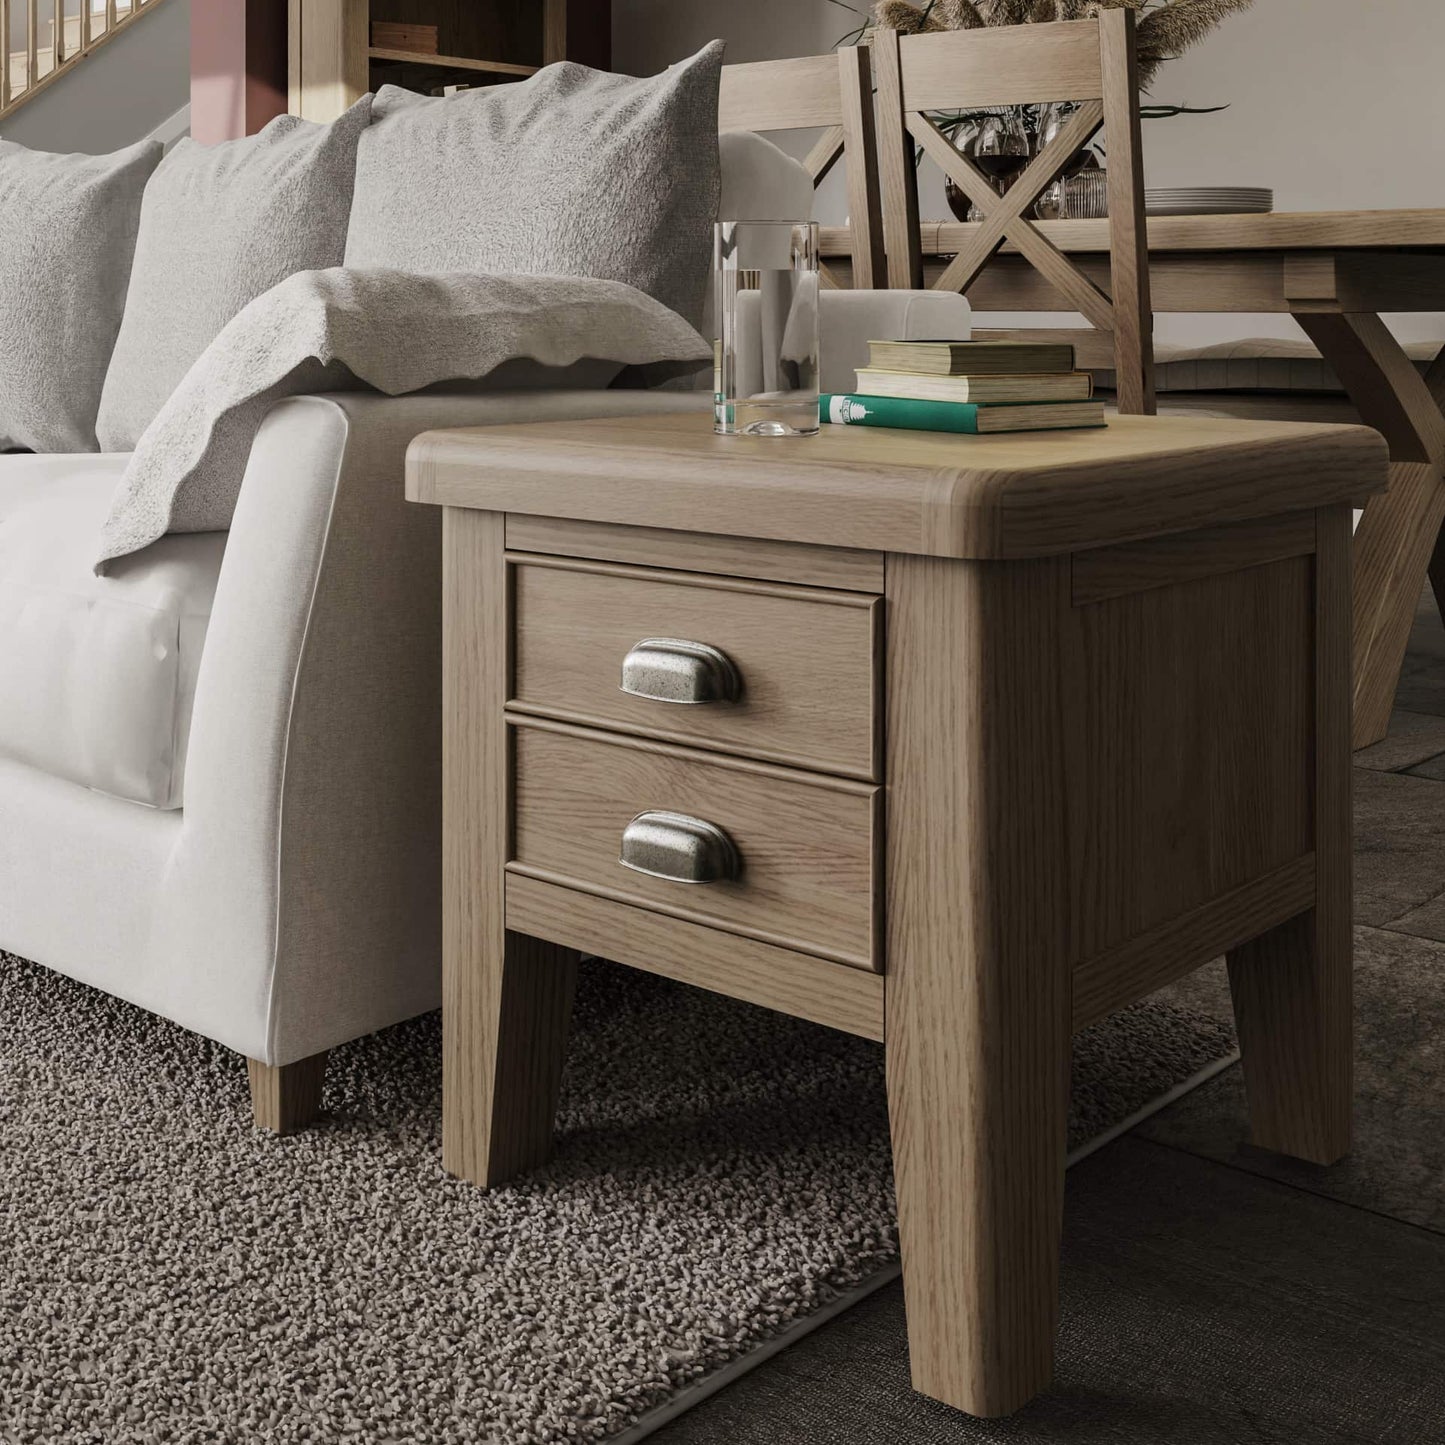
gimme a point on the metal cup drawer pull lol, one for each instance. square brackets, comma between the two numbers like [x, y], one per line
[670, 669]
[679, 848]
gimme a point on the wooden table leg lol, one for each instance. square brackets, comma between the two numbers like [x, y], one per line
[1398, 532]
[977, 1004]
[506, 998]
[1292, 988]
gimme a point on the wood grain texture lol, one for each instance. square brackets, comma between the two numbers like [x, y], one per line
[1372, 231]
[328, 53]
[794, 983]
[1128, 244]
[1191, 725]
[1398, 532]
[1134, 969]
[1005, 216]
[287, 1097]
[1105, 572]
[836, 567]
[977, 986]
[898, 178]
[808, 843]
[1001, 497]
[506, 999]
[1002, 66]
[1093, 62]
[1204, 282]
[794, 94]
[806, 658]
[1292, 987]
[824, 154]
[865, 202]
[451, 62]
[833, 91]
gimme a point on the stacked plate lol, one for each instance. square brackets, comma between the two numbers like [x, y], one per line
[1208, 201]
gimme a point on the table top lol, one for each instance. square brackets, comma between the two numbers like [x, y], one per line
[1275, 231]
[1018, 495]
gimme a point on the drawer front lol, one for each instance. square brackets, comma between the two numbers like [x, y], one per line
[804, 659]
[807, 845]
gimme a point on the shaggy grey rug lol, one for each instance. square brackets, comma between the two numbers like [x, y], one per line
[169, 1274]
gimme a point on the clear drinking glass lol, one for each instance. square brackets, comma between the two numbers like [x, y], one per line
[766, 351]
[1086, 196]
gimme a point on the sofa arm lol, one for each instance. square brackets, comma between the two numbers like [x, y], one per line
[849, 320]
[304, 893]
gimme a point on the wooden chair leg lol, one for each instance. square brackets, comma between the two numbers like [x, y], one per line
[287, 1097]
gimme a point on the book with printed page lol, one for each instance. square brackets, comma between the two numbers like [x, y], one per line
[970, 358]
[845, 409]
[1026, 386]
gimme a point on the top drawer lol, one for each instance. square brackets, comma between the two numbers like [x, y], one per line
[804, 659]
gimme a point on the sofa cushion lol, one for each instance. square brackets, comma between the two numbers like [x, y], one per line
[97, 674]
[327, 330]
[67, 235]
[221, 225]
[572, 172]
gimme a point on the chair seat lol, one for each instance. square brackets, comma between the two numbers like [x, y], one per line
[97, 674]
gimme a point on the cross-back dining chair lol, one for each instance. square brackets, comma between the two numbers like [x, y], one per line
[834, 93]
[1092, 62]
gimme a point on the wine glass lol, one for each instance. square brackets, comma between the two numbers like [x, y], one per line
[964, 136]
[997, 142]
[1052, 204]
[1002, 149]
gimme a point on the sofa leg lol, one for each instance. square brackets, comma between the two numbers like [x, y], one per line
[287, 1097]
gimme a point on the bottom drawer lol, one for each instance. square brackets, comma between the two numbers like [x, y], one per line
[806, 845]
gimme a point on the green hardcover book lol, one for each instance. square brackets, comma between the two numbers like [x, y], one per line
[958, 416]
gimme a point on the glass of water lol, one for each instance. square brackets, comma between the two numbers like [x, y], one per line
[766, 351]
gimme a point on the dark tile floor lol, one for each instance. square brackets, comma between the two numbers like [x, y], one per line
[1213, 1293]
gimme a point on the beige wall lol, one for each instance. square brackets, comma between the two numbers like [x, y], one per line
[1334, 103]
[117, 96]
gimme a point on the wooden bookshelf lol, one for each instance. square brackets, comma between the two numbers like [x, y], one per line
[333, 61]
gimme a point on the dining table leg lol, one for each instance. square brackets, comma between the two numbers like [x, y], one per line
[1397, 543]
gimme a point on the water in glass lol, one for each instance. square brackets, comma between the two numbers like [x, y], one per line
[766, 349]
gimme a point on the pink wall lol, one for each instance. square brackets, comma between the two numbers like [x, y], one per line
[238, 66]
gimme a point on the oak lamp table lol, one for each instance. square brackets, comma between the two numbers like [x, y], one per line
[955, 743]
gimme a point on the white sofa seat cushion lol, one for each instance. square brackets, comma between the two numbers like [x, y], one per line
[97, 674]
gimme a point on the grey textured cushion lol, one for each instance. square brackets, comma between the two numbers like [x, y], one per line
[220, 226]
[572, 172]
[67, 235]
[322, 330]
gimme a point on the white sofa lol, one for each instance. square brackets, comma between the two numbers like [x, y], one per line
[220, 795]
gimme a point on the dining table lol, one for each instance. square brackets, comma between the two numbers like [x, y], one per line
[1337, 273]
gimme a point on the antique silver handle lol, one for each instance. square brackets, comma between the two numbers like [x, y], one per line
[679, 848]
[669, 669]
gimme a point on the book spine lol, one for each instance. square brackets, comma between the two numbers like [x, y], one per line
[846, 409]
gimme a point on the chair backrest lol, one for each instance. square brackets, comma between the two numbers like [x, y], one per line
[1093, 62]
[833, 93]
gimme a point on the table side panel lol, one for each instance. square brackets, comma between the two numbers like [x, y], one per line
[1192, 745]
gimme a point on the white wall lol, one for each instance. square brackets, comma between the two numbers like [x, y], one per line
[1334, 103]
[118, 95]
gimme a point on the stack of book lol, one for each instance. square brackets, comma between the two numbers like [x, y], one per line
[968, 386]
